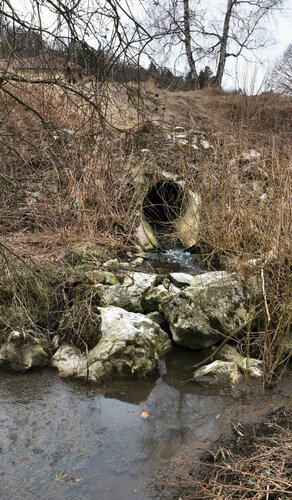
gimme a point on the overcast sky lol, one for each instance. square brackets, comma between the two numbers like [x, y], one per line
[251, 75]
[281, 31]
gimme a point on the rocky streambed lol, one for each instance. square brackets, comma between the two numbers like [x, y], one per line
[119, 324]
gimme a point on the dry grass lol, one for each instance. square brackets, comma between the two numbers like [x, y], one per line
[72, 170]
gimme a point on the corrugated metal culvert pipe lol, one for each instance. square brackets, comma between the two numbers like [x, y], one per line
[170, 211]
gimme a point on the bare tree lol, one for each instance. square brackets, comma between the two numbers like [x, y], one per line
[214, 34]
[281, 78]
[188, 44]
[223, 42]
[242, 30]
[102, 36]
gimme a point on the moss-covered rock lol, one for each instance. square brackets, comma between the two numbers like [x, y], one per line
[22, 350]
[153, 297]
[112, 265]
[200, 315]
[31, 296]
[129, 295]
[103, 277]
[86, 253]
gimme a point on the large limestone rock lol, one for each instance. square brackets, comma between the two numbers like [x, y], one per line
[213, 306]
[22, 351]
[129, 295]
[218, 373]
[130, 344]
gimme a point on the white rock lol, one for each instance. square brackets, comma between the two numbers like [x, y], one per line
[221, 277]
[69, 361]
[252, 154]
[251, 366]
[129, 294]
[141, 280]
[205, 144]
[173, 289]
[213, 306]
[217, 373]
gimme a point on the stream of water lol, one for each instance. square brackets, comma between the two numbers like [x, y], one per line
[62, 439]
[174, 260]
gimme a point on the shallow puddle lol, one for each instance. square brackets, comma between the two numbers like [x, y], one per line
[63, 439]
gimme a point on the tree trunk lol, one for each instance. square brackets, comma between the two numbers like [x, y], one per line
[223, 44]
[187, 41]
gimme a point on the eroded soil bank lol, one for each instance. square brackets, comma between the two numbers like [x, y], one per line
[62, 439]
[250, 461]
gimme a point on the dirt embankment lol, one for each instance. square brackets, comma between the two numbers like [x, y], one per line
[254, 461]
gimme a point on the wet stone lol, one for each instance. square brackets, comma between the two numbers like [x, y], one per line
[218, 373]
[181, 279]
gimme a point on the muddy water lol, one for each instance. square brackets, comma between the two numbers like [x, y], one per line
[61, 439]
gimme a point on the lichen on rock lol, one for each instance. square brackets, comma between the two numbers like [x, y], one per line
[250, 366]
[22, 350]
[128, 295]
[218, 373]
[212, 307]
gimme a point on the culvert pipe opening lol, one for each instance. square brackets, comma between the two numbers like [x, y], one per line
[164, 203]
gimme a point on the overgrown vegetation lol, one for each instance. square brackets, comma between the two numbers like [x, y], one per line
[75, 171]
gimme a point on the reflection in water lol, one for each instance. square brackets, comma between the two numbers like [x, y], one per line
[61, 439]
